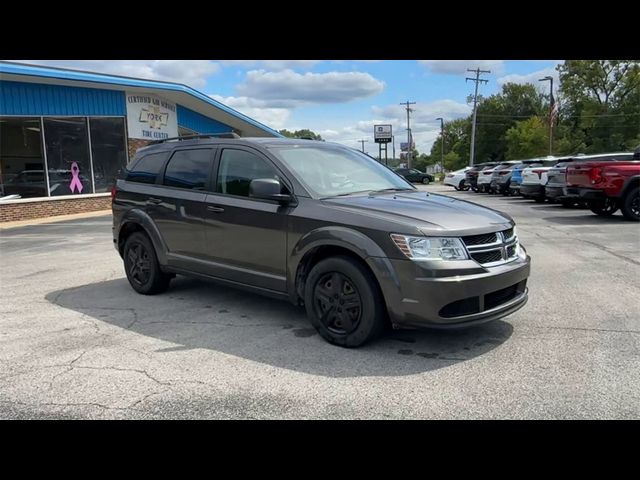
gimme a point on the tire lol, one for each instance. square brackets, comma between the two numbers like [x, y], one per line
[457, 189]
[567, 203]
[425, 180]
[142, 267]
[604, 208]
[539, 199]
[462, 186]
[349, 281]
[630, 205]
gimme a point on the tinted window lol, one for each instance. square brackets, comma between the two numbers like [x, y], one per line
[188, 169]
[146, 170]
[69, 166]
[238, 168]
[108, 150]
[21, 160]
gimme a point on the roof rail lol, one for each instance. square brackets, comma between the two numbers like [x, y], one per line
[196, 135]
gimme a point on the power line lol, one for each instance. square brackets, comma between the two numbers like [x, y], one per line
[477, 81]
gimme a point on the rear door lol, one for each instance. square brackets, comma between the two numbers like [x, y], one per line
[246, 238]
[177, 206]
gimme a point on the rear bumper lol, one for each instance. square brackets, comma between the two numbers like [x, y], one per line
[416, 297]
[555, 192]
[532, 190]
[584, 193]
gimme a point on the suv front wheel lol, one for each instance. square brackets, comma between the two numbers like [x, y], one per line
[343, 302]
[141, 266]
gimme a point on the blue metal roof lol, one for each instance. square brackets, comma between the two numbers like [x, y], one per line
[82, 76]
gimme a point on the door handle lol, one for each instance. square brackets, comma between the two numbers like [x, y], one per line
[154, 201]
[215, 209]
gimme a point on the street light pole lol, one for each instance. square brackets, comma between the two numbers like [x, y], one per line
[441, 143]
[551, 105]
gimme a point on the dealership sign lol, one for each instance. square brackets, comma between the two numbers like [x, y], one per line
[404, 146]
[150, 117]
[382, 133]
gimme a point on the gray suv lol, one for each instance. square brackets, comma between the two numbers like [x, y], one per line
[320, 225]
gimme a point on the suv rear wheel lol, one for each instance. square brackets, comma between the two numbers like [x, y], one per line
[604, 207]
[343, 302]
[141, 266]
[631, 204]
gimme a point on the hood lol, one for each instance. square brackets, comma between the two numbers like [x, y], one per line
[430, 213]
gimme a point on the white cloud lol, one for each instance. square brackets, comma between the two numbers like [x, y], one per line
[275, 118]
[459, 67]
[533, 78]
[287, 88]
[271, 64]
[193, 73]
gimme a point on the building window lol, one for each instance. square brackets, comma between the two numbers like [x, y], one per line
[21, 159]
[68, 161]
[107, 151]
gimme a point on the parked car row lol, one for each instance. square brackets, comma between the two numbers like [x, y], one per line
[603, 183]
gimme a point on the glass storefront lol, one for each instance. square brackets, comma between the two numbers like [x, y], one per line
[83, 155]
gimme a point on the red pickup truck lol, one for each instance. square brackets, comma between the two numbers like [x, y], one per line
[607, 186]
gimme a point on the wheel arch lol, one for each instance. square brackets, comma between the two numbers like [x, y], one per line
[136, 220]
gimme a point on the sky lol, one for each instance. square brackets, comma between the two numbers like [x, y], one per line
[339, 99]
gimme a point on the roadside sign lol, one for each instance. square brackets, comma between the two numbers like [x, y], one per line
[382, 133]
[404, 146]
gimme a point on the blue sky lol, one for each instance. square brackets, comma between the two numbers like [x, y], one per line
[340, 99]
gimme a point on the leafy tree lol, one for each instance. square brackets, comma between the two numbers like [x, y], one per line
[527, 139]
[304, 133]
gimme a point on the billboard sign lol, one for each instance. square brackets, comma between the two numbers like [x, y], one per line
[151, 117]
[404, 146]
[382, 133]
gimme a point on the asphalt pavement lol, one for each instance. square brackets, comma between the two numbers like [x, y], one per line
[77, 342]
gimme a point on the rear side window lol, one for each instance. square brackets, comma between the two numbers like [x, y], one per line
[146, 170]
[237, 169]
[189, 169]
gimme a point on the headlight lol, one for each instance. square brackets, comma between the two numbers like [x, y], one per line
[430, 248]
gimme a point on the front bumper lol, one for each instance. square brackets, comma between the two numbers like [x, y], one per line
[418, 297]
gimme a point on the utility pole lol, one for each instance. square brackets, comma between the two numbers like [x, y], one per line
[552, 107]
[477, 80]
[441, 143]
[362, 142]
[393, 139]
[409, 150]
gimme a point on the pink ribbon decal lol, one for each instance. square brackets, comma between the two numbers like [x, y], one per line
[75, 181]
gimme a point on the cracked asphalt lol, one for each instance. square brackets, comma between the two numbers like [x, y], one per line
[77, 342]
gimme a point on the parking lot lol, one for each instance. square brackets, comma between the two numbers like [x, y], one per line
[77, 342]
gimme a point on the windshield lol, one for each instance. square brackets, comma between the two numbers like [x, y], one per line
[331, 171]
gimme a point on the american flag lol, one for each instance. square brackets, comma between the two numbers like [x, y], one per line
[553, 110]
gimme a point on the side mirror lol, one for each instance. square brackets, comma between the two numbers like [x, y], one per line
[268, 189]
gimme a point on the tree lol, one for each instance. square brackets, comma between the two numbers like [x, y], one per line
[600, 104]
[304, 133]
[527, 139]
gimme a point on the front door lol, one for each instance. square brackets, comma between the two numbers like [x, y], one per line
[246, 238]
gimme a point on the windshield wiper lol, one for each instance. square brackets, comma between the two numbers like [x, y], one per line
[346, 194]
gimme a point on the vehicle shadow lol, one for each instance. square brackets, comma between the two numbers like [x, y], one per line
[589, 219]
[195, 314]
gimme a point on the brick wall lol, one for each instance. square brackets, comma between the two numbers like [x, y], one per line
[10, 212]
[134, 144]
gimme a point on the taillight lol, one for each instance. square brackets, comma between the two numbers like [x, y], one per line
[538, 172]
[503, 172]
[113, 193]
[595, 175]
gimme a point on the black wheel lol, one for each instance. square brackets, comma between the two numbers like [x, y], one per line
[343, 302]
[425, 180]
[457, 189]
[631, 204]
[141, 266]
[567, 203]
[464, 186]
[604, 208]
[475, 189]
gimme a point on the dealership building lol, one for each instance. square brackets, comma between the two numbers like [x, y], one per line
[65, 134]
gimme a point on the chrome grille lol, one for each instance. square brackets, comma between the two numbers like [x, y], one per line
[492, 249]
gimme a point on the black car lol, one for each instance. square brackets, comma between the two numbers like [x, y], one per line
[414, 176]
[471, 176]
[320, 225]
